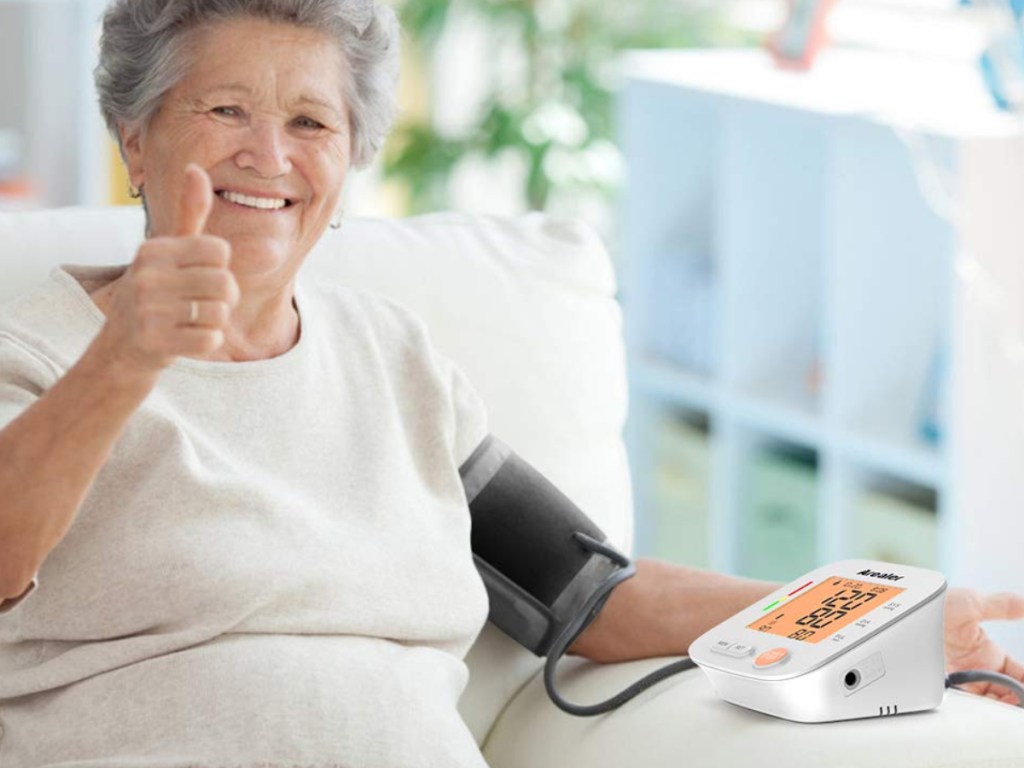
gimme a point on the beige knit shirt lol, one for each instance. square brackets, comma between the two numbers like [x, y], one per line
[272, 569]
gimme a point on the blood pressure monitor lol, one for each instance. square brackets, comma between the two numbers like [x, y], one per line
[858, 638]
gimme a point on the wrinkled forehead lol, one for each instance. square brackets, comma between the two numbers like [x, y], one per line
[272, 62]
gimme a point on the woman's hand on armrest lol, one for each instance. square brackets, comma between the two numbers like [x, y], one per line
[969, 647]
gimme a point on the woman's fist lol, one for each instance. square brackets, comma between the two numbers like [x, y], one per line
[150, 317]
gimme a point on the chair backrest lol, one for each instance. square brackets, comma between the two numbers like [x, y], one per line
[525, 306]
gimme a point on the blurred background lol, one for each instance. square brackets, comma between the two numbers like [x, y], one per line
[812, 211]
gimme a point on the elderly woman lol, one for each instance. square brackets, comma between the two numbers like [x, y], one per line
[237, 492]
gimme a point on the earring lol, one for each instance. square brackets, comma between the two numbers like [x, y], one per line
[336, 221]
[134, 193]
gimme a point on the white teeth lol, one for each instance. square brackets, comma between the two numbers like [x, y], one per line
[268, 203]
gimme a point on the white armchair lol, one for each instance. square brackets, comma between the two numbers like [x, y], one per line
[527, 308]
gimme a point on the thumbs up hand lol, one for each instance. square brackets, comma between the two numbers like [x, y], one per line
[176, 297]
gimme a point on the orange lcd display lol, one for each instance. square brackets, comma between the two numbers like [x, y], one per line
[824, 610]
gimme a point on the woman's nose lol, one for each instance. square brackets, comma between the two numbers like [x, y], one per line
[265, 150]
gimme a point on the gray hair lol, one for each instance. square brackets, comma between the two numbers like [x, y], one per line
[143, 43]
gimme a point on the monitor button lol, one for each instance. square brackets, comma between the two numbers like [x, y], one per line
[771, 658]
[740, 650]
[723, 646]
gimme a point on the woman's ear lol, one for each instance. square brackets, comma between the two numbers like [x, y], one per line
[131, 151]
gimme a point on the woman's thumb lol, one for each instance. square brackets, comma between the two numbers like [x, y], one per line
[196, 202]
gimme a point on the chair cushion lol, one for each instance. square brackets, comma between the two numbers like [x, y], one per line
[681, 721]
[525, 306]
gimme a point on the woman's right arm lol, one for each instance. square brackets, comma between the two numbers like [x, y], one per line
[51, 453]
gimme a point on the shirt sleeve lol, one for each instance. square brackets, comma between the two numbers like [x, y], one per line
[24, 376]
[470, 413]
[470, 425]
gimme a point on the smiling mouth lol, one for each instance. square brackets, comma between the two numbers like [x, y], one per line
[269, 204]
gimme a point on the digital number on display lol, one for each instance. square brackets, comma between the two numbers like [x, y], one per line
[824, 610]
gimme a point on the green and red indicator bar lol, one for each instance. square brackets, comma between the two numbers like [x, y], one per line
[769, 607]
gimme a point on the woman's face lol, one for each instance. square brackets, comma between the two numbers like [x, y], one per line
[262, 110]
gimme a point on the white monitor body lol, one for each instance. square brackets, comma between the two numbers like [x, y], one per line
[854, 639]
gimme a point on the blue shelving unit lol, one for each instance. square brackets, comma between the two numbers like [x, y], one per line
[834, 288]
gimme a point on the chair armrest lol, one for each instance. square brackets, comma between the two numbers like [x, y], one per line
[681, 721]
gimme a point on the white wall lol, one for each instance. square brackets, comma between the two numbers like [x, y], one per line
[47, 54]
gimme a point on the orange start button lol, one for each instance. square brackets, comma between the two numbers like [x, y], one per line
[770, 658]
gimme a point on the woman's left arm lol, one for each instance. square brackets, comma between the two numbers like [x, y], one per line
[662, 609]
[665, 607]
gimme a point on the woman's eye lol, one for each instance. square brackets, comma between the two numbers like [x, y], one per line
[227, 111]
[308, 122]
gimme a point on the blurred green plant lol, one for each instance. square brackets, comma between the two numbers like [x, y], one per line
[559, 121]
